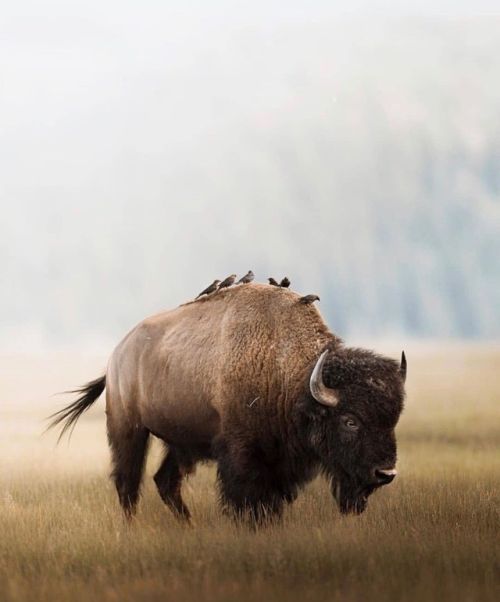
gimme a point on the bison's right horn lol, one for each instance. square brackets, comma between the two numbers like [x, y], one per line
[320, 392]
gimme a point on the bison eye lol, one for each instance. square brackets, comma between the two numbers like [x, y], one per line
[350, 423]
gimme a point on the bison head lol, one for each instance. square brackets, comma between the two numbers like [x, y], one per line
[357, 398]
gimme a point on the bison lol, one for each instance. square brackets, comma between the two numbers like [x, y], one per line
[254, 380]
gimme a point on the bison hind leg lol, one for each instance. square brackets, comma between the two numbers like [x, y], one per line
[168, 480]
[128, 450]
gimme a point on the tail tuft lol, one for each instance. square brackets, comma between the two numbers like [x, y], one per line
[70, 414]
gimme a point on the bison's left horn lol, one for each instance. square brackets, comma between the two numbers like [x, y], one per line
[402, 367]
[320, 392]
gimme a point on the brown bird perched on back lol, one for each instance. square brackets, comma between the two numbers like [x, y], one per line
[273, 282]
[308, 299]
[285, 283]
[210, 289]
[229, 281]
[248, 277]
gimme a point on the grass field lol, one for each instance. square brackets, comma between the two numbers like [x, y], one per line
[432, 535]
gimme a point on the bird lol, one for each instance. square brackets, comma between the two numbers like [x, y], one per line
[273, 282]
[248, 277]
[210, 289]
[285, 283]
[308, 299]
[229, 281]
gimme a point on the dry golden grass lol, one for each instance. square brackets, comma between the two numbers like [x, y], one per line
[432, 535]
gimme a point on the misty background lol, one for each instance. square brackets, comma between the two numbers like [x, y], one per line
[149, 147]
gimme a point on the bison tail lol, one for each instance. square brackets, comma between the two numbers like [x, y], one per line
[70, 414]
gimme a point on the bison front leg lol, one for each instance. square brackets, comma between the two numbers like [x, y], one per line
[249, 489]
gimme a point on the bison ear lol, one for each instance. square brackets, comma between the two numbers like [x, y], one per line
[402, 367]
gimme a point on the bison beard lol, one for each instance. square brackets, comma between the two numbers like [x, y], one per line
[350, 497]
[256, 382]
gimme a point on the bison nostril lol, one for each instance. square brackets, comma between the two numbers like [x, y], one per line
[385, 476]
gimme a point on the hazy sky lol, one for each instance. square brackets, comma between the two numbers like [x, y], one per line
[146, 148]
